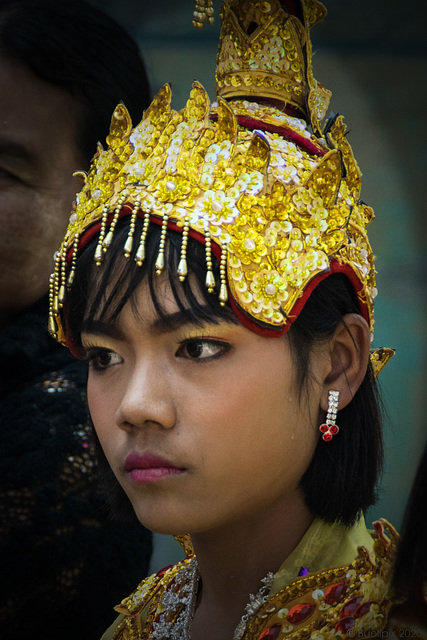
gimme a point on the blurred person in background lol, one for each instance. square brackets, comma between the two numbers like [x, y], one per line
[410, 570]
[63, 68]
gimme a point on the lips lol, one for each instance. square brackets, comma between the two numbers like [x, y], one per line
[149, 467]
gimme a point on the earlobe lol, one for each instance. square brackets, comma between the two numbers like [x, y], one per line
[348, 359]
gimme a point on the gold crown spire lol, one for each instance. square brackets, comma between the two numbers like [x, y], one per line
[265, 54]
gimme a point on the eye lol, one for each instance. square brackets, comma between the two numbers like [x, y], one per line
[101, 359]
[202, 349]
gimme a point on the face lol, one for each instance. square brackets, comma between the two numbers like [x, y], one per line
[38, 154]
[202, 426]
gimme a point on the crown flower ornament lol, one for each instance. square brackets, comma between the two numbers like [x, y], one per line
[274, 198]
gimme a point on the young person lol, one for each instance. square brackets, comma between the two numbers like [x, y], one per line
[217, 276]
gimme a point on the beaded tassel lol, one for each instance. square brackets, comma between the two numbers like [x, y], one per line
[61, 294]
[223, 293]
[140, 253]
[109, 238]
[129, 241]
[182, 266]
[160, 262]
[54, 288]
[52, 324]
[210, 279]
[98, 250]
[54, 304]
[73, 261]
[202, 13]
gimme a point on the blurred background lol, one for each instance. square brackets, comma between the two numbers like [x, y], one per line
[373, 56]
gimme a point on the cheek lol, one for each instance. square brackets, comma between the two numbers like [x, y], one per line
[32, 227]
[252, 450]
[17, 225]
[254, 421]
[56, 207]
[102, 409]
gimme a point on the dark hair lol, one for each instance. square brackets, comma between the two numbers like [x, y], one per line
[340, 481]
[76, 47]
[342, 477]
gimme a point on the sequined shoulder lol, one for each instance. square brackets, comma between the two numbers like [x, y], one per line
[141, 611]
[350, 600]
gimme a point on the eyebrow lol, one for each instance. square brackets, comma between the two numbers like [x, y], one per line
[166, 323]
[99, 328]
[172, 321]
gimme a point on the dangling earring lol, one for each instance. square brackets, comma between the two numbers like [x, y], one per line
[329, 428]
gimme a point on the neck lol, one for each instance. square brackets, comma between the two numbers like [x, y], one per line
[234, 561]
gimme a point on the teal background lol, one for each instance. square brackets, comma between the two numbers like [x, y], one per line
[372, 55]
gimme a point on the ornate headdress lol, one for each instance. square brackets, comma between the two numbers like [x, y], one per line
[272, 195]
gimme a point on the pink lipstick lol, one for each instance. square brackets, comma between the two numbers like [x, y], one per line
[149, 467]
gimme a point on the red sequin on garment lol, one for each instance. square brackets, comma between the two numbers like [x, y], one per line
[335, 592]
[362, 610]
[350, 607]
[162, 572]
[345, 624]
[300, 612]
[271, 633]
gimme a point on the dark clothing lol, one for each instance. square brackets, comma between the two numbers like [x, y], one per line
[64, 562]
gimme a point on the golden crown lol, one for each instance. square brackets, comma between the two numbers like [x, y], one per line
[278, 207]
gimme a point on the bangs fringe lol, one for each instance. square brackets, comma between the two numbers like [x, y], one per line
[103, 291]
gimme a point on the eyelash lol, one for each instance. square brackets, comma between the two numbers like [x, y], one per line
[224, 347]
[92, 353]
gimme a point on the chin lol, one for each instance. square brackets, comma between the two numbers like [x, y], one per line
[158, 520]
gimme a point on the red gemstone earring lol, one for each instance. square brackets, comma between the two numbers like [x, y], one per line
[329, 429]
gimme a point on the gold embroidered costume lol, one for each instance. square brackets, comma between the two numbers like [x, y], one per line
[345, 592]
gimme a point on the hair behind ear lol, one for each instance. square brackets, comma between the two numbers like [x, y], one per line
[340, 482]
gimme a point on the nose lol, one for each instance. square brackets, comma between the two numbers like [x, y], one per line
[146, 400]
